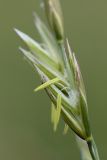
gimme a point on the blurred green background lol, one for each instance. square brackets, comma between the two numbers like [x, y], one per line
[25, 129]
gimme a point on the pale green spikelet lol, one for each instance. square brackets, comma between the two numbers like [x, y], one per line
[55, 18]
[60, 75]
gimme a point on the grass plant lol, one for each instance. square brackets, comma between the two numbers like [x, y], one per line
[60, 75]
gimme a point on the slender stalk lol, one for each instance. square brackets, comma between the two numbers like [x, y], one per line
[88, 150]
[83, 148]
[93, 149]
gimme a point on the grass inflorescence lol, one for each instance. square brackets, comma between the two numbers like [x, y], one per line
[60, 75]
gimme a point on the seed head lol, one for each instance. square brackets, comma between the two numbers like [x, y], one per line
[54, 15]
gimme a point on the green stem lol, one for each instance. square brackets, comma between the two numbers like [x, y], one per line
[93, 149]
[88, 149]
[83, 148]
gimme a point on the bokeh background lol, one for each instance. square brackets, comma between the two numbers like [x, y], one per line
[25, 129]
